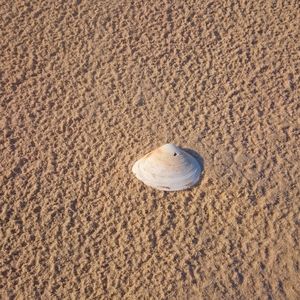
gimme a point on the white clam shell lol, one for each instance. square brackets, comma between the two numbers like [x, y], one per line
[168, 168]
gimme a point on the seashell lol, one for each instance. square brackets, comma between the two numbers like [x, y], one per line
[168, 168]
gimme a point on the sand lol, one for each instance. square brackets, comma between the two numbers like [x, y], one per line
[87, 87]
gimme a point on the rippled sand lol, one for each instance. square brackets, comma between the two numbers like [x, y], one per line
[87, 87]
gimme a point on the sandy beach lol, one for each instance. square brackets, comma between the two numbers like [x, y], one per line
[87, 88]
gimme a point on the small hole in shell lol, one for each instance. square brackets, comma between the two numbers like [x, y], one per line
[175, 154]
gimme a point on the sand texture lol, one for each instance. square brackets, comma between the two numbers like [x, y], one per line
[88, 87]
